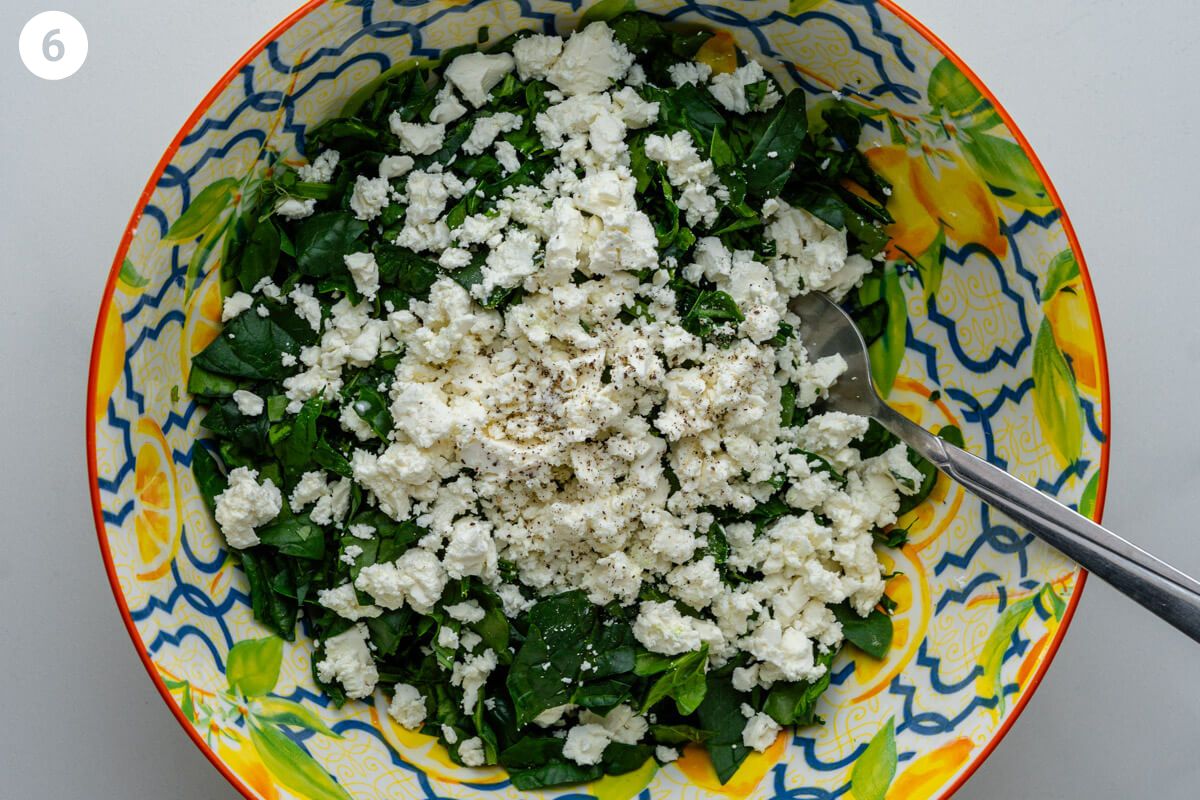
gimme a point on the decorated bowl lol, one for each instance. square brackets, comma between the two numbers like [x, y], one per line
[995, 332]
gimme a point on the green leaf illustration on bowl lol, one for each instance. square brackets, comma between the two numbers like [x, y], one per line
[876, 767]
[1056, 397]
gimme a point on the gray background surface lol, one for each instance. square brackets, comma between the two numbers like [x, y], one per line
[1102, 88]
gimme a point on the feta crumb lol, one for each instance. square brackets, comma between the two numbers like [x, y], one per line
[467, 612]
[295, 207]
[590, 62]
[245, 505]
[585, 744]
[365, 273]
[693, 72]
[371, 195]
[235, 304]
[760, 732]
[408, 707]
[321, 169]
[248, 403]
[395, 166]
[348, 661]
[471, 752]
[417, 138]
[476, 74]
[343, 601]
[535, 55]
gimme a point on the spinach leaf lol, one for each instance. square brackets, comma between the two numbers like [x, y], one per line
[537, 762]
[784, 136]
[684, 680]
[401, 267]
[296, 536]
[872, 634]
[260, 255]
[620, 758]
[709, 310]
[225, 420]
[721, 713]
[295, 448]
[324, 239]
[390, 629]
[547, 666]
[794, 703]
[678, 734]
[249, 347]
[209, 478]
[206, 384]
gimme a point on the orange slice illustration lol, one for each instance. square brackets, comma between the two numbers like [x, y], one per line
[157, 521]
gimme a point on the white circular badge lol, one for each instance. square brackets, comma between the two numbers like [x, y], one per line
[53, 45]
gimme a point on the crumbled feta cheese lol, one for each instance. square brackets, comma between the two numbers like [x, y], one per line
[417, 138]
[624, 725]
[371, 195]
[471, 674]
[585, 743]
[348, 661]
[408, 707]
[535, 55]
[590, 62]
[343, 601]
[693, 72]
[447, 107]
[476, 74]
[467, 612]
[395, 166]
[416, 577]
[365, 273]
[321, 169]
[308, 308]
[486, 129]
[235, 304]
[689, 172]
[471, 752]
[730, 89]
[245, 505]
[506, 154]
[661, 628]
[760, 732]
[295, 207]
[248, 403]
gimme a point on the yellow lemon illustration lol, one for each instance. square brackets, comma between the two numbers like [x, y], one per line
[157, 521]
[719, 52]
[1071, 320]
[697, 766]
[246, 764]
[935, 189]
[927, 776]
[203, 322]
[913, 228]
[110, 362]
[952, 192]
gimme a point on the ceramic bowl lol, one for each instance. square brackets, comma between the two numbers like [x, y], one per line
[1000, 338]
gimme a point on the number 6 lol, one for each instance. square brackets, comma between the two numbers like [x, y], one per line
[52, 48]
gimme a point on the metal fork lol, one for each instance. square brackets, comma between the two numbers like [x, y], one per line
[826, 329]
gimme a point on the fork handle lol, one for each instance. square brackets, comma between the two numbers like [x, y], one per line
[1156, 585]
